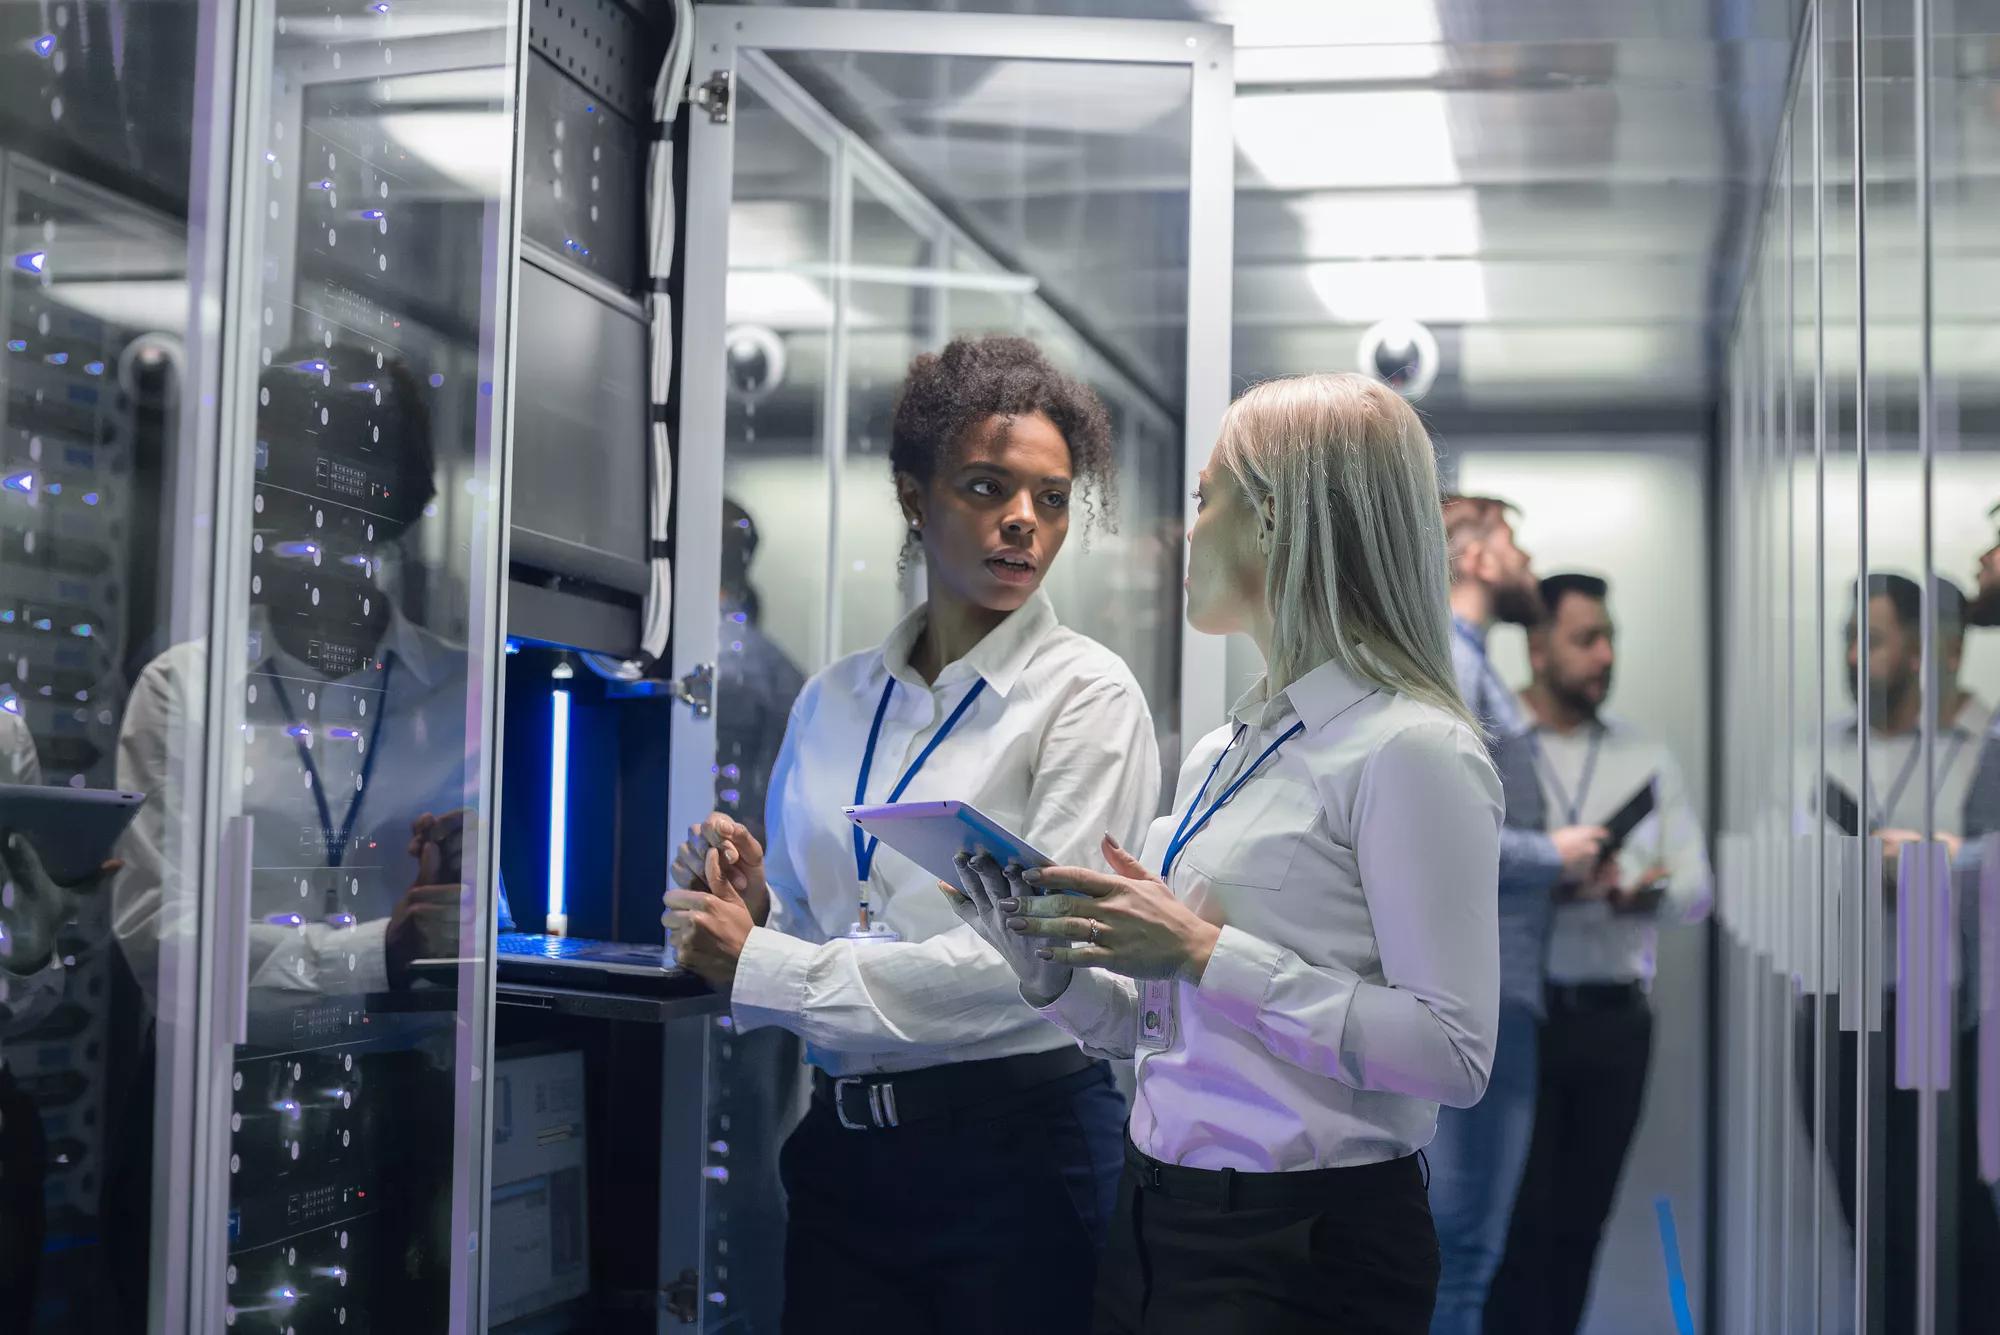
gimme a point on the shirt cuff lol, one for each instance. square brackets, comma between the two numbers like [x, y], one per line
[1238, 976]
[1086, 1006]
[770, 984]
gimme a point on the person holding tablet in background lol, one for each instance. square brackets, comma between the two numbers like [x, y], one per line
[913, 1023]
[1305, 958]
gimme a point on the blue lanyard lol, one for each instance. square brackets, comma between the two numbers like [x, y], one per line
[864, 846]
[338, 852]
[1191, 825]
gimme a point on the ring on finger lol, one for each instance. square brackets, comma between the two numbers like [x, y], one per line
[1095, 925]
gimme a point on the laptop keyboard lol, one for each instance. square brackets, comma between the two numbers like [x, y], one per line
[527, 945]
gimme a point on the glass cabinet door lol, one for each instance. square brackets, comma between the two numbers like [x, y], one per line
[109, 118]
[359, 653]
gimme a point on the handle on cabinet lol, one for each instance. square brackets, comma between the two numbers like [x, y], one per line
[232, 927]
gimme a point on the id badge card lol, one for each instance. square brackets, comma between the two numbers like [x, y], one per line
[1157, 1000]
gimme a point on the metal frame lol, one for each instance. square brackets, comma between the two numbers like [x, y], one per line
[727, 37]
[232, 408]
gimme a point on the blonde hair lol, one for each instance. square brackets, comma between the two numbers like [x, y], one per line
[1358, 572]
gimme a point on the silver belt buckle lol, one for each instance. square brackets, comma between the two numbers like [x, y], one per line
[840, 1087]
[881, 1104]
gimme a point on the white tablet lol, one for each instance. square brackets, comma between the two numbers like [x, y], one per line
[932, 834]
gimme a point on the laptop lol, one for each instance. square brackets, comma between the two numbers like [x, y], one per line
[533, 959]
[579, 963]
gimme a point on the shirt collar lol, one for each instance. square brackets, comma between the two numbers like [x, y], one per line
[999, 660]
[1318, 698]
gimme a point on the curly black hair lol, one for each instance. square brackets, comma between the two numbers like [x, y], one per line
[949, 393]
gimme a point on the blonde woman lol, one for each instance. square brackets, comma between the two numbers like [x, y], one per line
[1304, 960]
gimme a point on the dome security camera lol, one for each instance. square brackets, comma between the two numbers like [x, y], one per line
[755, 359]
[1402, 354]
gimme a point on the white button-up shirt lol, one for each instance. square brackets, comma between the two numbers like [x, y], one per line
[1587, 774]
[1356, 983]
[419, 725]
[1059, 748]
[1896, 784]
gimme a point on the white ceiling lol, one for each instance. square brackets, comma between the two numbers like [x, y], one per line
[1560, 187]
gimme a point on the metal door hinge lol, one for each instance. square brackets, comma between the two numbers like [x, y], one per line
[697, 689]
[713, 96]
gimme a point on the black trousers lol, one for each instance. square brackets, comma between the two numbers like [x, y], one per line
[23, 1221]
[1596, 1046]
[967, 1225]
[1968, 1276]
[1351, 1253]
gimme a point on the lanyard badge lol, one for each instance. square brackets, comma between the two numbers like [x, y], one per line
[864, 929]
[1158, 998]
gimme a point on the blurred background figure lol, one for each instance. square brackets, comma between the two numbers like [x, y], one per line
[1479, 1153]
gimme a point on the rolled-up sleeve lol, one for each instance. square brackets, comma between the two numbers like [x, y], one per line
[1426, 821]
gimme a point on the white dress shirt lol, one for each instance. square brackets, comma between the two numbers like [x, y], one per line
[1356, 983]
[421, 768]
[1587, 774]
[1059, 748]
[1895, 796]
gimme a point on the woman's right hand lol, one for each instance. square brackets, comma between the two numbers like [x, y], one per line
[983, 883]
[741, 858]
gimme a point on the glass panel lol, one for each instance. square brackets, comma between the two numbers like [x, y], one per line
[360, 687]
[1841, 798]
[1900, 1163]
[104, 557]
[1030, 160]
[1965, 559]
[1813, 1014]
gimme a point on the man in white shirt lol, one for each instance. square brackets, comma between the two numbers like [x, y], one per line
[1596, 1035]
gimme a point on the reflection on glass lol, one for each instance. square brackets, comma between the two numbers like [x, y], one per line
[94, 259]
[1965, 552]
[354, 728]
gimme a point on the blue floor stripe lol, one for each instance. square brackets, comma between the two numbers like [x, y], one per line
[1670, 1253]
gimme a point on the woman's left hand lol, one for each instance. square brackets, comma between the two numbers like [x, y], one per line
[1126, 921]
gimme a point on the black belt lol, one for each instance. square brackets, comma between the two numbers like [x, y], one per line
[1230, 1190]
[878, 1102]
[1596, 996]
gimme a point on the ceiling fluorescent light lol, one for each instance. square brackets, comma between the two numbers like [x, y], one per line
[148, 305]
[779, 300]
[1436, 292]
[472, 149]
[1332, 22]
[1426, 224]
[1336, 64]
[1308, 141]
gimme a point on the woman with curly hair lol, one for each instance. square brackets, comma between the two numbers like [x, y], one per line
[914, 1024]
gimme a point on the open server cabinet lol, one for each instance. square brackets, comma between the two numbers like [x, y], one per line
[262, 393]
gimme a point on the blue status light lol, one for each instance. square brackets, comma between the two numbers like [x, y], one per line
[43, 46]
[23, 483]
[93, 368]
[17, 345]
[33, 261]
